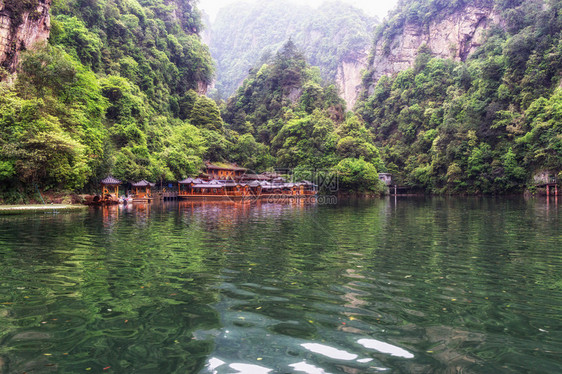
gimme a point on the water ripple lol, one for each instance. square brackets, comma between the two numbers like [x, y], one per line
[429, 285]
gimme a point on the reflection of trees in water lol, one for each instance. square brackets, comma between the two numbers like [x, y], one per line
[422, 275]
[454, 273]
[110, 291]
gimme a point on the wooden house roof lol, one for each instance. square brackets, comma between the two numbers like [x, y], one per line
[191, 181]
[233, 184]
[258, 177]
[143, 183]
[110, 181]
[207, 185]
[308, 183]
[210, 166]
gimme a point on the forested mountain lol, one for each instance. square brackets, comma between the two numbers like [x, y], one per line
[301, 124]
[334, 37]
[110, 93]
[117, 90]
[482, 122]
[457, 97]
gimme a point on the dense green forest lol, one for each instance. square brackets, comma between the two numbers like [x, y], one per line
[302, 124]
[245, 35]
[115, 91]
[481, 126]
[118, 90]
[110, 93]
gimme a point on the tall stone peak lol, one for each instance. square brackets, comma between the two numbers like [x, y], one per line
[23, 23]
[348, 78]
[454, 36]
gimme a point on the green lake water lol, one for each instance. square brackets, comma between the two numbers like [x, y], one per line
[416, 285]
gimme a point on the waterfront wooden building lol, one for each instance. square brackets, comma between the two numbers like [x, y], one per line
[254, 177]
[214, 189]
[278, 189]
[225, 172]
[142, 191]
[230, 182]
[308, 188]
[185, 187]
[548, 181]
[194, 189]
[110, 189]
[236, 189]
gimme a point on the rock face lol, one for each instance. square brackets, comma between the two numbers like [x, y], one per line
[21, 29]
[455, 37]
[348, 77]
[181, 11]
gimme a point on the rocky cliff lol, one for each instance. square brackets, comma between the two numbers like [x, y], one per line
[348, 76]
[182, 12]
[455, 36]
[23, 23]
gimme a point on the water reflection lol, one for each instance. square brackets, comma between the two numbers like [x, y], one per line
[416, 285]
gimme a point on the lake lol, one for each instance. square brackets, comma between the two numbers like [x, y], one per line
[407, 285]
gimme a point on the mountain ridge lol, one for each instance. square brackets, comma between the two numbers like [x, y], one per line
[244, 35]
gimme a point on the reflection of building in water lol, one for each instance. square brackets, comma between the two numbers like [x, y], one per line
[142, 213]
[216, 215]
[226, 214]
[111, 213]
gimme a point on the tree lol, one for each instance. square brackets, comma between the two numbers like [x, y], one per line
[358, 175]
[206, 114]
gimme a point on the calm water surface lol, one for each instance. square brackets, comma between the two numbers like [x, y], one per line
[408, 286]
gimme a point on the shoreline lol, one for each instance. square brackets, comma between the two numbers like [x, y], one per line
[39, 208]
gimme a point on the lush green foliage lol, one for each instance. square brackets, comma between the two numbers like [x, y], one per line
[245, 35]
[144, 41]
[483, 126]
[111, 93]
[115, 91]
[50, 123]
[284, 106]
[286, 82]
